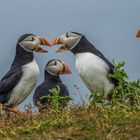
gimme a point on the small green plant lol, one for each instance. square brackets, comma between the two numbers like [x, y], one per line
[127, 92]
[55, 99]
[95, 98]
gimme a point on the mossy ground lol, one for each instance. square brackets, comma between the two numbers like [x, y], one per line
[118, 122]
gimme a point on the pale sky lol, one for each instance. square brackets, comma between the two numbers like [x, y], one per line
[110, 25]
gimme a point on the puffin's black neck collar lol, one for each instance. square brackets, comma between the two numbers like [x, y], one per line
[53, 78]
[22, 57]
[84, 46]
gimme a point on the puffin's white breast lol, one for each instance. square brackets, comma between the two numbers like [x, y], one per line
[26, 84]
[93, 71]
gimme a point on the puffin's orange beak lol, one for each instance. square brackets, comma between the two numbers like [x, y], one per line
[38, 48]
[44, 41]
[138, 34]
[66, 69]
[57, 41]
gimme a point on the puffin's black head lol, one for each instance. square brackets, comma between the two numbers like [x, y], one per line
[138, 34]
[57, 67]
[68, 41]
[31, 43]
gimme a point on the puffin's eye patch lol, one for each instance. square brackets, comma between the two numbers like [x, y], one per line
[67, 35]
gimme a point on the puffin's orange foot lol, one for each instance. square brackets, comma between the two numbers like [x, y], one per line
[14, 110]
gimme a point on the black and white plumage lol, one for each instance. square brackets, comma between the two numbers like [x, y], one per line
[52, 72]
[20, 80]
[92, 66]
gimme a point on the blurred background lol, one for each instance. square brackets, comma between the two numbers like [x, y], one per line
[110, 25]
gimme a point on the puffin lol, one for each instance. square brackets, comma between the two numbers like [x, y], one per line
[23, 74]
[53, 69]
[138, 34]
[92, 66]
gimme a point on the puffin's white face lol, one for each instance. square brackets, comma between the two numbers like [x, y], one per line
[57, 67]
[68, 40]
[32, 43]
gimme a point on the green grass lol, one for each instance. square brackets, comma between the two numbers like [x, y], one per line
[116, 120]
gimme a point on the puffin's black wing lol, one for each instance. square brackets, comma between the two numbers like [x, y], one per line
[111, 68]
[40, 91]
[8, 82]
[64, 91]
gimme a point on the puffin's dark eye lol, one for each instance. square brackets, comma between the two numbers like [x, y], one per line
[55, 63]
[32, 39]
